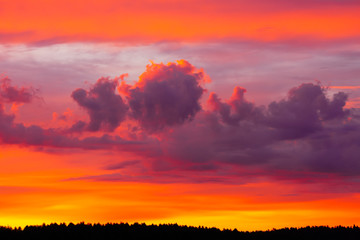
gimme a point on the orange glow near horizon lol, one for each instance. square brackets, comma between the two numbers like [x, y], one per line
[36, 192]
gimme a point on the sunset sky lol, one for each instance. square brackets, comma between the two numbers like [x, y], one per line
[232, 114]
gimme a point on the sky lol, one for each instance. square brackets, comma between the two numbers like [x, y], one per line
[230, 114]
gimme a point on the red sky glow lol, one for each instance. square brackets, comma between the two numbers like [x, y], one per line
[233, 114]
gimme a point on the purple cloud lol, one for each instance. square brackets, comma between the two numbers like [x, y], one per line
[308, 131]
[122, 165]
[305, 110]
[236, 109]
[106, 109]
[11, 94]
[165, 95]
[305, 132]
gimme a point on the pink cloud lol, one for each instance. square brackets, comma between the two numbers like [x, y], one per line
[13, 94]
[237, 108]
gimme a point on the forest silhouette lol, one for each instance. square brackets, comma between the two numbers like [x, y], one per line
[171, 231]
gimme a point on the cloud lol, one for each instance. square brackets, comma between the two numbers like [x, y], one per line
[14, 94]
[235, 109]
[51, 138]
[106, 109]
[305, 110]
[165, 95]
[309, 131]
[122, 165]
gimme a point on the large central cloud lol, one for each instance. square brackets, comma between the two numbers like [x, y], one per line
[165, 95]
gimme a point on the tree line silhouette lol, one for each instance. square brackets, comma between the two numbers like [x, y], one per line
[171, 231]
